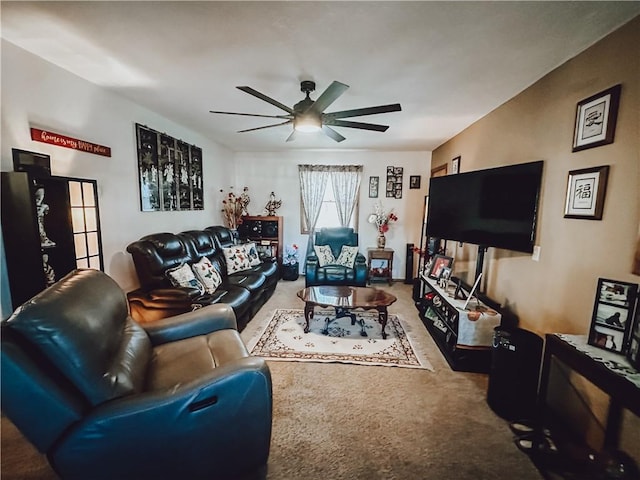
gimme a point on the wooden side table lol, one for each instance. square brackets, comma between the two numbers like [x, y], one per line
[380, 262]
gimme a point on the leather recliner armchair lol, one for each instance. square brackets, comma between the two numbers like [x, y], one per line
[105, 398]
[335, 274]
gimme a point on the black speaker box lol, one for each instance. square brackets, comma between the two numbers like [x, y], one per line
[408, 276]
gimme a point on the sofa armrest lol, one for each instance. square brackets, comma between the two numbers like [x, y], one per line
[360, 259]
[202, 321]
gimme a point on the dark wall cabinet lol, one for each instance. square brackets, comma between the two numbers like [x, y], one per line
[50, 225]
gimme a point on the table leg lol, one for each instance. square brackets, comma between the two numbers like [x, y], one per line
[308, 315]
[382, 318]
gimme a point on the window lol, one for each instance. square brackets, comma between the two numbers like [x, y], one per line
[332, 192]
[328, 216]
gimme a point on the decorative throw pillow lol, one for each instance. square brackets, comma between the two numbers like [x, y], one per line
[182, 276]
[347, 257]
[237, 259]
[207, 275]
[325, 255]
[252, 252]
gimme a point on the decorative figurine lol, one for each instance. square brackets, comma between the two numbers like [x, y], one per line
[272, 205]
[42, 209]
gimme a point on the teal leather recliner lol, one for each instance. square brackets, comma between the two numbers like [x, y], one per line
[104, 398]
[317, 273]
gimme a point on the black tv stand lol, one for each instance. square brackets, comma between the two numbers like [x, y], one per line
[464, 336]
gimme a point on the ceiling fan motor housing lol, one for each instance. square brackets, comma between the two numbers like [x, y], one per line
[307, 86]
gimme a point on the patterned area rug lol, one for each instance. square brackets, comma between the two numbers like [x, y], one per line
[283, 338]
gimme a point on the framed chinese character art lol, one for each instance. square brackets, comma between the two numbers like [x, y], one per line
[585, 193]
[596, 119]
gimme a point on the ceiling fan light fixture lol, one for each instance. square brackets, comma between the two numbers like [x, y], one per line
[307, 124]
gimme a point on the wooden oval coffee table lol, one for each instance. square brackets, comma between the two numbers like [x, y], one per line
[345, 299]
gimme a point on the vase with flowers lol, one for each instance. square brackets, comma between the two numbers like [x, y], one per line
[234, 207]
[290, 262]
[382, 220]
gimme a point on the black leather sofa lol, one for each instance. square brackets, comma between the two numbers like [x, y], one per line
[106, 398]
[153, 255]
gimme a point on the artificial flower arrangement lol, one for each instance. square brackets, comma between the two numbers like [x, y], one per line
[382, 218]
[290, 255]
[234, 207]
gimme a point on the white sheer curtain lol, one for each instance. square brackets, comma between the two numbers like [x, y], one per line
[313, 182]
[346, 187]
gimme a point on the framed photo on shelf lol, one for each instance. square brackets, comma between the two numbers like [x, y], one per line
[633, 350]
[596, 119]
[438, 264]
[455, 165]
[374, 183]
[586, 189]
[612, 314]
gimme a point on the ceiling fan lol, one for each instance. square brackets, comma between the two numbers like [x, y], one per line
[308, 115]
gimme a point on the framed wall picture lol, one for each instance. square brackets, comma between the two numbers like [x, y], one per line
[633, 347]
[612, 314]
[596, 119]
[414, 181]
[586, 189]
[374, 183]
[394, 182]
[455, 165]
[438, 264]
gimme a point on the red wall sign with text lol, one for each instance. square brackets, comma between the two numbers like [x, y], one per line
[45, 136]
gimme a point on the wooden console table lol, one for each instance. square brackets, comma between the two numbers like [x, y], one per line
[382, 269]
[608, 371]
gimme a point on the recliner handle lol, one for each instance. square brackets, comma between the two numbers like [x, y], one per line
[204, 403]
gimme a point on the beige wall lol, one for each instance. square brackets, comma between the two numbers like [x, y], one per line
[557, 293]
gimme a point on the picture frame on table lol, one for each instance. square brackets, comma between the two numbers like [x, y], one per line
[374, 183]
[439, 262]
[633, 348]
[612, 315]
[586, 189]
[596, 118]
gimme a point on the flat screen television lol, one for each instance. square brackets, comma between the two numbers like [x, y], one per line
[496, 207]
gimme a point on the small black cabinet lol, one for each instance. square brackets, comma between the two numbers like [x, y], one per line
[50, 226]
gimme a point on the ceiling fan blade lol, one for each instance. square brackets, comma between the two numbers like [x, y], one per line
[266, 126]
[292, 137]
[329, 96]
[262, 96]
[365, 126]
[332, 133]
[251, 114]
[395, 107]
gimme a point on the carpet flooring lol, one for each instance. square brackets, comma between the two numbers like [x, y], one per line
[336, 421]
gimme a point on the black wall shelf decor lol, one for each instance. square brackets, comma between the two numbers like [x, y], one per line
[169, 172]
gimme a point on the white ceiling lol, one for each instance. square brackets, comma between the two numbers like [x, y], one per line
[447, 63]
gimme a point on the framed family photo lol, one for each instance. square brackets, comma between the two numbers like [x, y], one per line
[439, 263]
[633, 351]
[596, 119]
[612, 314]
[586, 189]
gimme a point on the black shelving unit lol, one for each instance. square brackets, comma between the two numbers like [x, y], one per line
[71, 224]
